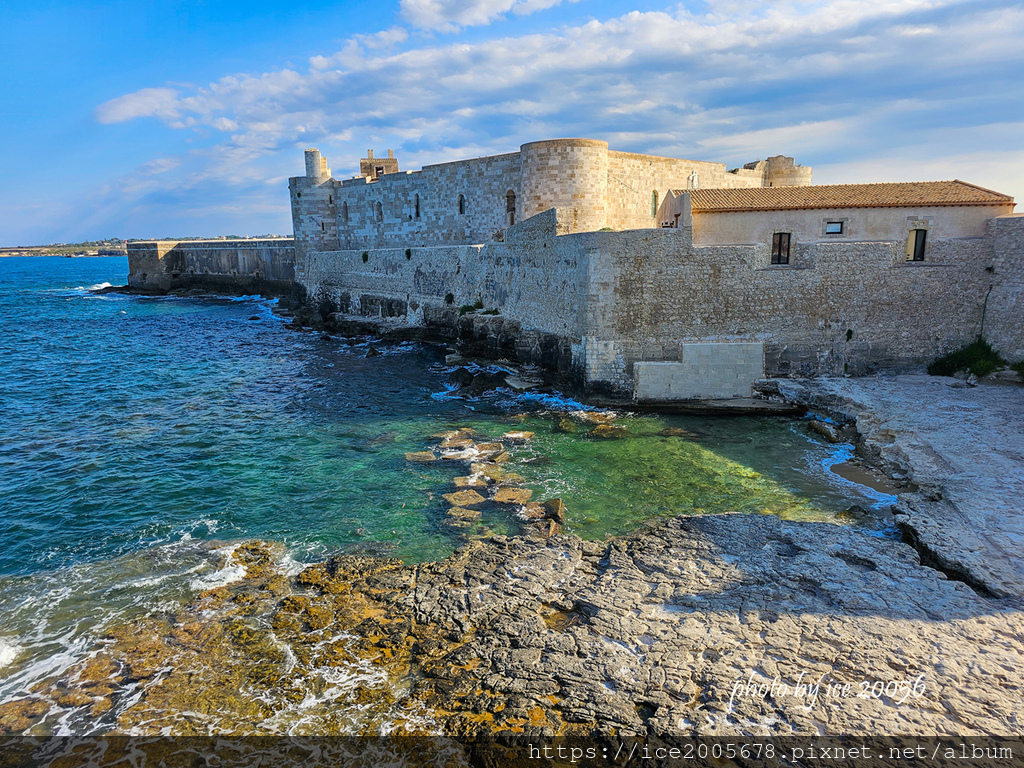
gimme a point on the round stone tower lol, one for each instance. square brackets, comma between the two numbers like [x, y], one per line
[316, 166]
[566, 173]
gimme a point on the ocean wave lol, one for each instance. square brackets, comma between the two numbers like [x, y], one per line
[228, 574]
[9, 651]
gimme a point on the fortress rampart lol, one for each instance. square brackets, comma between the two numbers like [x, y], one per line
[616, 301]
[231, 266]
[473, 201]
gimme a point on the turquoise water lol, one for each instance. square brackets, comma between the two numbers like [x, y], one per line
[140, 435]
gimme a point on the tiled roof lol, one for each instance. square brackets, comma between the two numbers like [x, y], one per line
[899, 195]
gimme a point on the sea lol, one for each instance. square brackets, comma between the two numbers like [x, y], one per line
[143, 438]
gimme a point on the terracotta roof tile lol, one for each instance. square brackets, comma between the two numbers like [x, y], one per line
[904, 194]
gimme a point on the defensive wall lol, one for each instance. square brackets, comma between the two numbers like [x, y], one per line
[475, 200]
[232, 266]
[614, 302]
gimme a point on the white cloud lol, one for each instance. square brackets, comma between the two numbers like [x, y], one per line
[450, 15]
[835, 83]
[149, 102]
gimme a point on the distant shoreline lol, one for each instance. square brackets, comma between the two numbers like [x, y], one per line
[10, 254]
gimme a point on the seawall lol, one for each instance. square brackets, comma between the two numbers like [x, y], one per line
[264, 266]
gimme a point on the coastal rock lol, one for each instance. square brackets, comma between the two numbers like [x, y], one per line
[512, 495]
[488, 450]
[461, 517]
[554, 509]
[831, 432]
[466, 498]
[609, 431]
[421, 457]
[517, 437]
[474, 482]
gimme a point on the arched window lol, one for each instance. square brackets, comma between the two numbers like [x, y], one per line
[654, 203]
[417, 205]
[510, 207]
[462, 204]
[380, 211]
[344, 212]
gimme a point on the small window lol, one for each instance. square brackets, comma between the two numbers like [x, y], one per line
[780, 248]
[417, 206]
[510, 207]
[654, 203]
[322, 227]
[380, 211]
[833, 227]
[462, 205]
[344, 212]
[915, 244]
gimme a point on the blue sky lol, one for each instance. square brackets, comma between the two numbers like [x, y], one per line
[146, 119]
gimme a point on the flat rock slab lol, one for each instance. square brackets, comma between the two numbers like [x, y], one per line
[696, 618]
[466, 498]
[964, 450]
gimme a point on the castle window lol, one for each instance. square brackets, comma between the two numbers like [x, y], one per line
[833, 227]
[462, 204]
[380, 211]
[322, 227]
[417, 205]
[915, 244]
[344, 212]
[654, 203]
[780, 247]
[330, 199]
[510, 207]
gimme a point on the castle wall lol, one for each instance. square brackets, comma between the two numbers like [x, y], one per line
[1004, 316]
[599, 188]
[633, 178]
[526, 278]
[838, 307]
[621, 298]
[228, 266]
[883, 224]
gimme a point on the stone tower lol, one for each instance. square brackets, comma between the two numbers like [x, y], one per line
[375, 167]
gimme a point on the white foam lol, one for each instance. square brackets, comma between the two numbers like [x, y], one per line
[98, 287]
[226, 575]
[9, 651]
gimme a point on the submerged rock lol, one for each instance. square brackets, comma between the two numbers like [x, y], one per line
[831, 432]
[421, 457]
[466, 498]
[517, 437]
[609, 431]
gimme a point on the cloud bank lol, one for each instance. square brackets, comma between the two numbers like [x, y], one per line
[834, 83]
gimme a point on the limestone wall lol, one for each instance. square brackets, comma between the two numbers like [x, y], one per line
[527, 278]
[838, 307]
[231, 266]
[633, 179]
[859, 224]
[1004, 316]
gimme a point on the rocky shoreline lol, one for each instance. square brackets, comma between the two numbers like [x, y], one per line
[695, 626]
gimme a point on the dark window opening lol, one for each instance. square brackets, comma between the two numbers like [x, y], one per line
[833, 227]
[380, 212]
[462, 204]
[510, 207]
[780, 248]
[915, 244]
[654, 203]
[417, 206]
[322, 227]
[344, 212]
[330, 199]
[378, 170]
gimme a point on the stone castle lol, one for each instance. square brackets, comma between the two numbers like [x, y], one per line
[645, 277]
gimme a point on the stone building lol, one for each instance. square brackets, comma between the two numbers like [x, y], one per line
[475, 200]
[642, 276]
